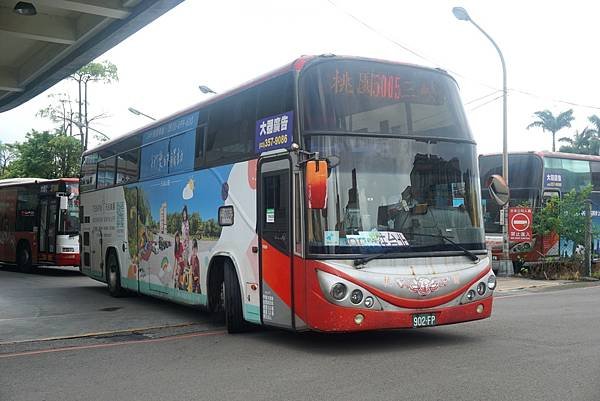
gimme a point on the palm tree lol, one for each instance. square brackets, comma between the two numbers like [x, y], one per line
[583, 142]
[595, 120]
[547, 122]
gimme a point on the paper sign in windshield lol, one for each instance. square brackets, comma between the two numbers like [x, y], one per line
[377, 238]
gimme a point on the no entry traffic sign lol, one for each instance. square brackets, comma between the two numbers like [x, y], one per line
[519, 223]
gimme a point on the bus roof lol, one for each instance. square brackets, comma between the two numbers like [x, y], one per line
[13, 182]
[295, 65]
[544, 153]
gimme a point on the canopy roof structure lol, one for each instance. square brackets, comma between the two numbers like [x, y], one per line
[37, 51]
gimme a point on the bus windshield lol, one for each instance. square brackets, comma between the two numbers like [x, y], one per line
[68, 220]
[524, 178]
[407, 175]
[401, 194]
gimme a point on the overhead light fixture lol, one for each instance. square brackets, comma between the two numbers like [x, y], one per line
[25, 8]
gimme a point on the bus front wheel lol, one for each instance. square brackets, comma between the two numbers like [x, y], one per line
[24, 258]
[234, 317]
[113, 276]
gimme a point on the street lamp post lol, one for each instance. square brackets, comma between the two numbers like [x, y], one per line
[505, 264]
[139, 113]
[206, 90]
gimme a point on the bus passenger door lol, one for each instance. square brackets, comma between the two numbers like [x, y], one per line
[97, 265]
[275, 247]
[43, 230]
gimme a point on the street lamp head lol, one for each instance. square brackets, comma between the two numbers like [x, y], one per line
[461, 14]
[134, 111]
[205, 89]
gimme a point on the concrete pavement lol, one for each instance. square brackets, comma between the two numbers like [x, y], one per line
[511, 284]
[538, 346]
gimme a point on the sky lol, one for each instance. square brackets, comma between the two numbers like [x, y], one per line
[548, 47]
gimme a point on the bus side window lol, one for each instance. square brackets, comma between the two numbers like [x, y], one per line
[275, 97]
[231, 127]
[106, 172]
[88, 173]
[199, 153]
[127, 166]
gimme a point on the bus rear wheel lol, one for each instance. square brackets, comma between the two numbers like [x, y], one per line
[113, 276]
[24, 258]
[234, 316]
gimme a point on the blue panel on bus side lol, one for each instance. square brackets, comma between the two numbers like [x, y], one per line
[155, 159]
[182, 152]
[181, 124]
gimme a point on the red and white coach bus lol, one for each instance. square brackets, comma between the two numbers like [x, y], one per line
[39, 222]
[334, 194]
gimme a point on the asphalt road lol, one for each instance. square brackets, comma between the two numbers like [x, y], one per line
[537, 346]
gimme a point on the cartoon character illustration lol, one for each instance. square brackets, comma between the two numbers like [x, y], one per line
[195, 268]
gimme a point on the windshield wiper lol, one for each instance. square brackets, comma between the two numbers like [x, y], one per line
[367, 259]
[466, 252]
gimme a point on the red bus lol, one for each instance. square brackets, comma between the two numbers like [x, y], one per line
[535, 177]
[335, 194]
[39, 222]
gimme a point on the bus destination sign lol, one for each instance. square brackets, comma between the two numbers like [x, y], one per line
[385, 86]
[274, 132]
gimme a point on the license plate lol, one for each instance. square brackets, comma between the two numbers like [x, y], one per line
[424, 320]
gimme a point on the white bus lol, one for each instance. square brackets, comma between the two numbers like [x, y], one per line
[333, 194]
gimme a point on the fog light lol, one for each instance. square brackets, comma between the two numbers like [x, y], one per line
[492, 282]
[338, 291]
[356, 296]
[369, 301]
[470, 295]
[358, 319]
[481, 288]
[479, 308]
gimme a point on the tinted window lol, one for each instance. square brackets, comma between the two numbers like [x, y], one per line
[275, 213]
[230, 135]
[595, 175]
[275, 97]
[127, 167]
[27, 203]
[566, 174]
[88, 172]
[106, 172]
[524, 171]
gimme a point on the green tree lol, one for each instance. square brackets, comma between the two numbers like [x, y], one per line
[45, 155]
[548, 122]
[105, 72]
[7, 155]
[564, 216]
[584, 142]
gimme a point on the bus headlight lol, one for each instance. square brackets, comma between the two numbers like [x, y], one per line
[356, 296]
[481, 288]
[470, 295]
[369, 301]
[338, 291]
[491, 282]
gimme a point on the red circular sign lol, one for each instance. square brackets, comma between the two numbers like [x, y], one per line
[520, 222]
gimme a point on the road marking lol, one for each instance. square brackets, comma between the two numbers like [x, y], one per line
[115, 344]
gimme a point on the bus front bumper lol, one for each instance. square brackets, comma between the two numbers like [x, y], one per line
[324, 316]
[67, 259]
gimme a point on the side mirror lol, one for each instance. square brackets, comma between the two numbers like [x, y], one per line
[64, 202]
[316, 183]
[498, 188]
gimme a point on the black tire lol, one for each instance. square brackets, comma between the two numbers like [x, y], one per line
[113, 276]
[24, 262]
[234, 315]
